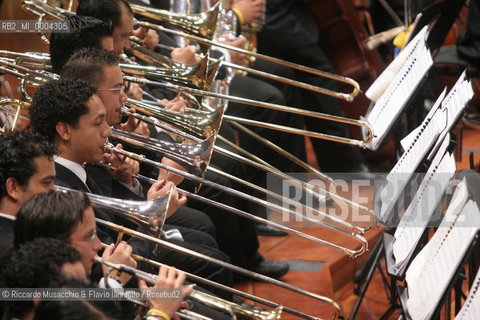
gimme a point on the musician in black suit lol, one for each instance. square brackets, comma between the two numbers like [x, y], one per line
[26, 168]
[291, 33]
[120, 13]
[72, 116]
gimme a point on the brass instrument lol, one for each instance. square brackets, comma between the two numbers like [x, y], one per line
[211, 123]
[193, 177]
[250, 274]
[220, 286]
[191, 76]
[189, 32]
[203, 24]
[150, 144]
[150, 215]
[149, 71]
[249, 102]
[210, 300]
[242, 195]
[16, 106]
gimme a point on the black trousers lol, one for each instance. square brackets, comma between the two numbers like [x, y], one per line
[332, 156]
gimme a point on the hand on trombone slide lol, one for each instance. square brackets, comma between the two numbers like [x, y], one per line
[149, 36]
[169, 278]
[237, 57]
[121, 254]
[186, 55]
[134, 125]
[125, 168]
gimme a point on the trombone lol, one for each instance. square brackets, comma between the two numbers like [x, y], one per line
[149, 215]
[250, 274]
[250, 102]
[242, 195]
[189, 31]
[150, 144]
[230, 308]
[147, 71]
[352, 253]
[207, 123]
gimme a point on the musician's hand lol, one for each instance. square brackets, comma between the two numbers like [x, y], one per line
[125, 168]
[250, 9]
[168, 278]
[160, 188]
[237, 57]
[169, 176]
[134, 125]
[149, 36]
[121, 254]
[185, 55]
[134, 91]
[177, 104]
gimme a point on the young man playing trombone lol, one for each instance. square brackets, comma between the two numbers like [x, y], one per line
[72, 116]
[71, 219]
[235, 236]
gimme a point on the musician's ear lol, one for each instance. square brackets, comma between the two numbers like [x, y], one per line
[64, 131]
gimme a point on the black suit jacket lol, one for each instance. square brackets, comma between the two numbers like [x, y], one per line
[6, 234]
[289, 23]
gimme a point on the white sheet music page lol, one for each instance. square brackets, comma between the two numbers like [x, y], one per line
[391, 103]
[432, 270]
[400, 175]
[377, 88]
[471, 308]
[408, 140]
[455, 102]
[420, 210]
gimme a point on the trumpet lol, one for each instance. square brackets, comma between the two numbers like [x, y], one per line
[250, 274]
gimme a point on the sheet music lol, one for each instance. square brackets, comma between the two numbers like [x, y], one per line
[377, 88]
[471, 308]
[455, 103]
[408, 140]
[419, 212]
[390, 104]
[411, 158]
[431, 271]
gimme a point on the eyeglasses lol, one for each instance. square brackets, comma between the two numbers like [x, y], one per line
[120, 90]
[88, 239]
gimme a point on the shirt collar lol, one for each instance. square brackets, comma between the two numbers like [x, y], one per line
[7, 216]
[77, 169]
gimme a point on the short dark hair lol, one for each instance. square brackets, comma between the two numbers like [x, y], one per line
[52, 215]
[85, 32]
[18, 150]
[88, 64]
[104, 10]
[57, 101]
[77, 309]
[36, 264]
